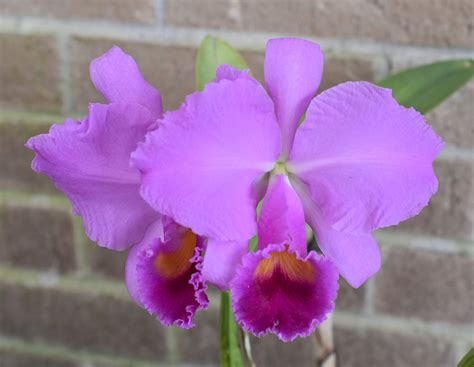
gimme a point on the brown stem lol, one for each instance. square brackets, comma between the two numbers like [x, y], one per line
[324, 343]
[246, 348]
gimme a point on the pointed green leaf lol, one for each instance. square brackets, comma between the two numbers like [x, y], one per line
[468, 360]
[212, 53]
[231, 354]
[427, 86]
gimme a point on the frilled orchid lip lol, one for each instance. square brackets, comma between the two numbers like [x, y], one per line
[278, 291]
[164, 275]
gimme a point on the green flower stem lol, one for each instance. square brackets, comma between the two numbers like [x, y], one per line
[231, 345]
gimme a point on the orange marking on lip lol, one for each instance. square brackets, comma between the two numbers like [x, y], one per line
[174, 263]
[288, 264]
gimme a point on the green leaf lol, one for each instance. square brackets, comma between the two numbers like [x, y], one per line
[212, 53]
[468, 360]
[427, 86]
[231, 354]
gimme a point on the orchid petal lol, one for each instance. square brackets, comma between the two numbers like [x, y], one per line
[356, 256]
[202, 165]
[163, 275]
[117, 77]
[89, 161]
[366, 159]
[293, 71]
[276, 290]
[221, 261]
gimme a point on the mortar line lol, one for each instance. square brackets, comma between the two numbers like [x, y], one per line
[63, 282]
[409, 240]
[81, 247]
[160, 13]
[171, 341]
[405, 326]
[369, 297]
[461, 348]
[67, 354]
[191, 37]
[65, 71]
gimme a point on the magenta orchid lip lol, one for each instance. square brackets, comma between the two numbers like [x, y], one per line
[180, 189]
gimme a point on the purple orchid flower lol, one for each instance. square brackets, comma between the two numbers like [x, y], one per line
[358, 162]
[88, 160]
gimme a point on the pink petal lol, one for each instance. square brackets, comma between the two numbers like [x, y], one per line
[116, 76]
[202, 165]
[278, 291]
[221, 261]
[356, 256]
[282, 217]
[89, 162]
[366, 159]
[163, 274]
[293, 70]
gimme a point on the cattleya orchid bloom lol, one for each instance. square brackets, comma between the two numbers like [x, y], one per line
[358, 162]
[88, 160]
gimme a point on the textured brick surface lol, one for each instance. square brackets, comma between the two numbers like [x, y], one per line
[29, 72]
[423, 21]
[15, 159]
[19, 359]
[338, 69]
[119, 10]
[170, 69]
[200, 344]
[361, 348]
[36, 238]
[269, 351]
[349, 298]
[426, 285]
[106, 262]
[102, 324]
[449, 213]
[454, 119]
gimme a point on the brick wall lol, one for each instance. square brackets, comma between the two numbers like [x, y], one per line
[62, 299]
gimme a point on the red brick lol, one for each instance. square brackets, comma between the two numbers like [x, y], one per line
[200, 345]
[426, 285]
[364, 348]
[142, 11]
[169, 68]
[348, 298]
[434, 22]
[36, 238]
[339, 69]
[270, 351]
[29, 72]
[15, 167]
[449, 213]
[97, 323]
[453, 119]
[106, 262]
